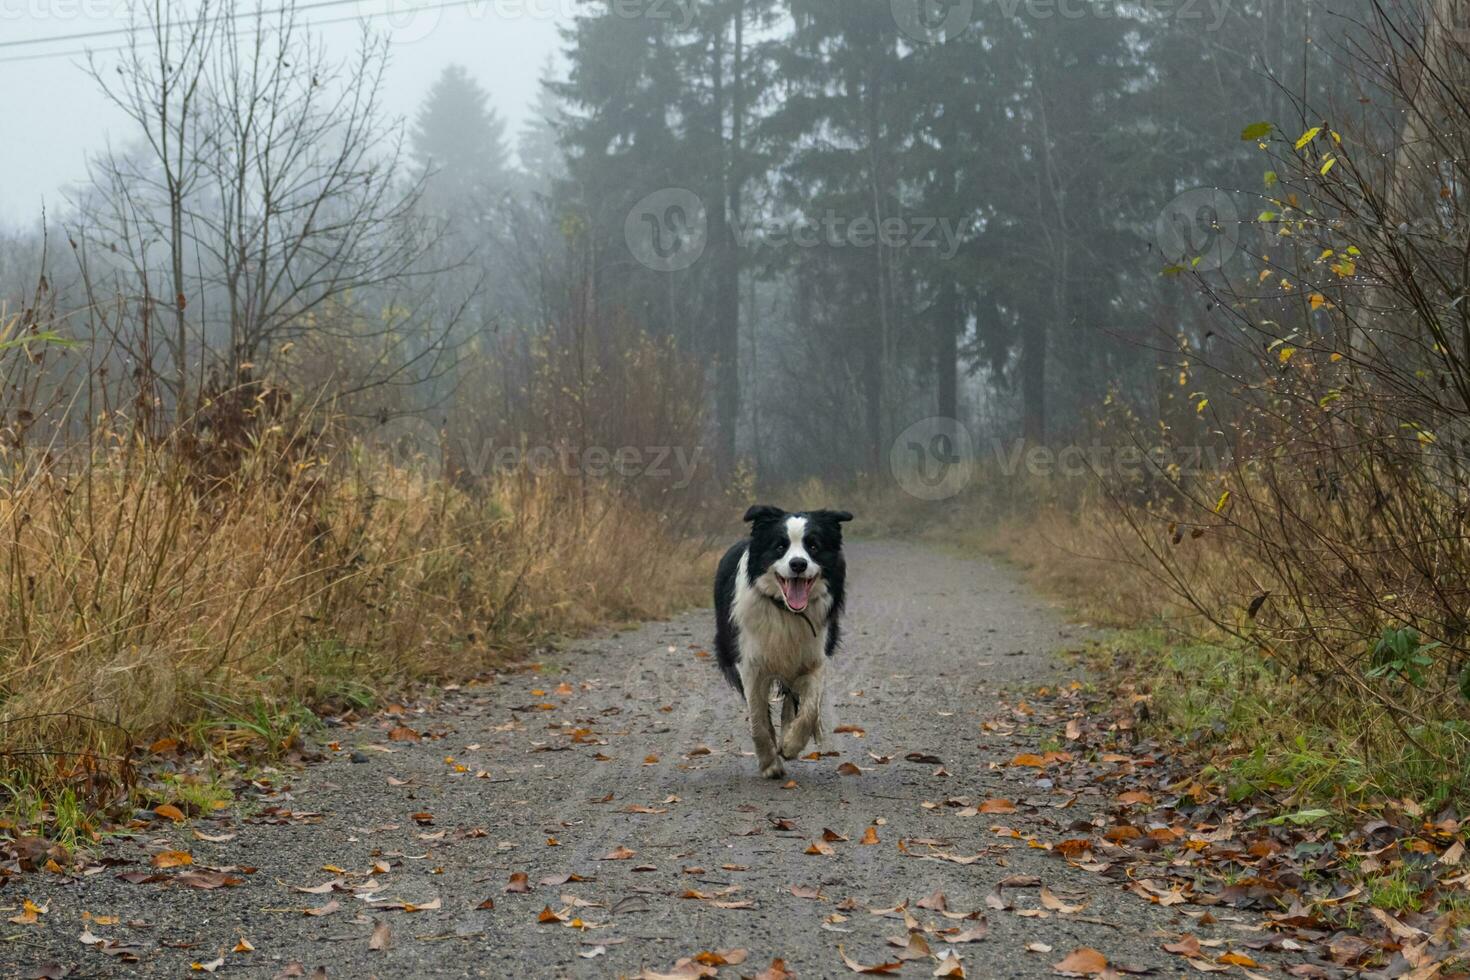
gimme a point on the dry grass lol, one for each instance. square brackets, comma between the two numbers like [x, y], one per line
[149, 595]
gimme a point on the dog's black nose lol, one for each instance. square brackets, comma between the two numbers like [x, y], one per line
[798, 565]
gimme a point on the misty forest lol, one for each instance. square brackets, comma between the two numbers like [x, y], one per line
[353, 459]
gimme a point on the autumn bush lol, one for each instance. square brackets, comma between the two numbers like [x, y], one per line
[1316, 579]
[187, 581]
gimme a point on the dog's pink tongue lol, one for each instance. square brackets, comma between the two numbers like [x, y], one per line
[798, 591]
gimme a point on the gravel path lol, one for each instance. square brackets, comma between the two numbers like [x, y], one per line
[632, 743]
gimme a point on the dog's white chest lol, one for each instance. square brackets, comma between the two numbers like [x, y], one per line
[774, 640]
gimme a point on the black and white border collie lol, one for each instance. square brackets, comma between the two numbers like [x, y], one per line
[779, 598]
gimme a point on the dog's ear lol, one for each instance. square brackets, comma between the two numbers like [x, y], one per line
[763, 512]
[833, 516]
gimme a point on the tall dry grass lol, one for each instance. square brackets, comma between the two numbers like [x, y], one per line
[163, 583]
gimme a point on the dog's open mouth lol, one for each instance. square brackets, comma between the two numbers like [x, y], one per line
[796, 591]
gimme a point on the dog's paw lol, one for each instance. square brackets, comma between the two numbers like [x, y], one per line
[791, 746]
[774, 769]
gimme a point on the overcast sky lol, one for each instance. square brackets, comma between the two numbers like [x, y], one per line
[51, 113]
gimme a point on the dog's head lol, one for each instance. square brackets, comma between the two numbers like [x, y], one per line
[792, 556]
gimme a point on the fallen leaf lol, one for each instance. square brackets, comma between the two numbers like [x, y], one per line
[327, 909]
[857, 967]
[171, 859]
[849, 769]
[1082, 962]
[619, 853]
[243, 946]
[935, 902]
[997, 806]
[519, 884]
[870, 836]
[209, 967]
[1050, 901]
[381, 937]
[949, 966]
[170, 812]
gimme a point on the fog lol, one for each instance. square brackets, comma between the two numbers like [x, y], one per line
[832, 241]
[63, 116]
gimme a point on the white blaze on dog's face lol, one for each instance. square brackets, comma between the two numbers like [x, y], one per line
[796, 571]
[785, 559]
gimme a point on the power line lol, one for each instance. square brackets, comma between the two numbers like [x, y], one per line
[119, 31]
[11, 59]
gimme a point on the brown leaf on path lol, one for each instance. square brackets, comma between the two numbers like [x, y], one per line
[208, 880]
[243, 946]
[1082, 962]
[974, 934]
[1236, 959]
[212, 838]
[486, 905]
[322, 889]
[170, 812]
[381, 937]
[820, 847]
[807, 891]
[849, 769]
[618, 853]
[1136, 797]
[1186, 946]
[776, 971]
[172, 859]
[949, 966]
[209, 967]
[327, 909]
[870, 836]
[849, 730]
[997, 806]
[30, 913]
[519, 884]
[1029, 759]
[832, 836]
[935, 902]
[547, 917]
[857, 967]
[1050, 901]
[403, 734]
[557, 880]
[914, 947]
[723, 957]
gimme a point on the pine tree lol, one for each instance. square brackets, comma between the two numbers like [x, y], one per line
[458, 139]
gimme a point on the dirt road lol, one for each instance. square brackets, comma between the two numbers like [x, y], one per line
[624, 762]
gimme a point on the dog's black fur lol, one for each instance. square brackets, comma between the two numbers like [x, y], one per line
[767, 543]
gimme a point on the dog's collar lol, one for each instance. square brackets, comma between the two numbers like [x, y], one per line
[799, 615]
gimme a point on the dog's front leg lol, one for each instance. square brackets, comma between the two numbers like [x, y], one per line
[807, 724]
[762, 731]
